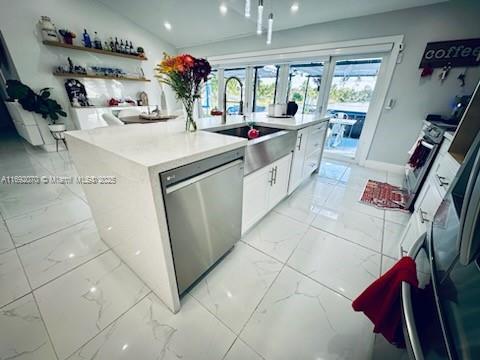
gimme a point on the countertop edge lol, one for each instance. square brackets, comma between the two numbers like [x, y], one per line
[173, 164]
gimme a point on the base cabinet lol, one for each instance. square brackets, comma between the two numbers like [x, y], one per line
[264, 189]
[307, 154]
[296, 174]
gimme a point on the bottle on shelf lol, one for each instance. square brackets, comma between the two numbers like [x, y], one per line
[86, 39]
[117, 45]
[122, 47]
[97, 43]
[106, 47]
[132, 50]
[112, 44]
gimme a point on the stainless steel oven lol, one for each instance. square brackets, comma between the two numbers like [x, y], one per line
[420, 161]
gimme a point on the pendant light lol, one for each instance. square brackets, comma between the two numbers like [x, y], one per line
[260, 17]
[270, 29]
[247, 8]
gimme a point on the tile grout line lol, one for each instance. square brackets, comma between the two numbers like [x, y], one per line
[51, 280]
[43, 237]
[35, 300]
[350, 241]
[284, 264]
[112, 322]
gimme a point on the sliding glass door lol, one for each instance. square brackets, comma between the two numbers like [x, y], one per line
[349, 95]
[265, 87]
[304, 82]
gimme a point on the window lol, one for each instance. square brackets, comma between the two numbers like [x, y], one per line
[304, 85]
[266, 78]
[210, 93]
[235, 92]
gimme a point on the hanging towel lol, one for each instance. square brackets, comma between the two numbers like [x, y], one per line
[381, 300]
[419, 156]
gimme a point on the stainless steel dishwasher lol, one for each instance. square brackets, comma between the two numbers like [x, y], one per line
[203, 203]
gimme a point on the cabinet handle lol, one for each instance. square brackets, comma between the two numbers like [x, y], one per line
[423, 220]
[275, 169]
[300, 142]
[441, 180]
[271, 176]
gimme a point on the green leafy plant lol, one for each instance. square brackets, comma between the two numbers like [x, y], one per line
[38, 103]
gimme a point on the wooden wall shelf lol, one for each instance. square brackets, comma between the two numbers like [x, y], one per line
[92, 50]
[121, 78]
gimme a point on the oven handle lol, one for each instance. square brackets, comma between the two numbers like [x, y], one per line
[407, 307]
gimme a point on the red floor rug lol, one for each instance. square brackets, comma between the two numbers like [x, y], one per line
[384, 196]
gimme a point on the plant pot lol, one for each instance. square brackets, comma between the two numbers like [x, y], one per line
[57, 127]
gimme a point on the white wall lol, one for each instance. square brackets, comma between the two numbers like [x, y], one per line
[35, 62]
[397, 128]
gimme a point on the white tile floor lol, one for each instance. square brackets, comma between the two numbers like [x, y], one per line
[284, 292]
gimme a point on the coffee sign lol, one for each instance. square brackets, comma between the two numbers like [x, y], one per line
[456, 53]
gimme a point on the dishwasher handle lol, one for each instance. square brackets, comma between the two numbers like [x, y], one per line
[192, 180]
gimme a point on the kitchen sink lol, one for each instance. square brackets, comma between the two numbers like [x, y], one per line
[242, 131]
[272, 144]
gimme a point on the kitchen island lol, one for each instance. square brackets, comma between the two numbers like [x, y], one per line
[130, 214]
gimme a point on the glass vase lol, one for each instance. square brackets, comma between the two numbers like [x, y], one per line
[190, 124]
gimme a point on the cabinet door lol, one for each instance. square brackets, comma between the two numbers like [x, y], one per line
[429, 202]
[296, 173]
[314, 151]
[279, 187]
[412, 232]
[256, 188]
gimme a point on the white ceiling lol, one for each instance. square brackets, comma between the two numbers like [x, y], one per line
[196, 22]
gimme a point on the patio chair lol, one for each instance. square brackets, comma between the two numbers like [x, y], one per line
[335, 135]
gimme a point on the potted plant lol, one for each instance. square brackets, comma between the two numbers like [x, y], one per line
[37, 103]
[185, 75]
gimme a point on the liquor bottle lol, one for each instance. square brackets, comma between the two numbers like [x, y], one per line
[86, 39]
[111, 44]
[122, 47]
[117, 45]
[132, 50]
[97, 43]
[106, 47]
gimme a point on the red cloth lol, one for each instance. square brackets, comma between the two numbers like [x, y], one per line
[381, 300]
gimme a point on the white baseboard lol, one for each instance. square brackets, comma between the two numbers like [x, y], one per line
[379, 165]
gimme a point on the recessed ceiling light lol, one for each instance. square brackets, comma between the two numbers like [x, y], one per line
[223, 9]
[294, 8]
[167, 25]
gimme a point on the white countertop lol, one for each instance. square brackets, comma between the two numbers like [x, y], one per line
[294, 123]
[167, 145]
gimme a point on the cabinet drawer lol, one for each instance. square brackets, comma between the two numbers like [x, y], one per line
[445, 171]
[316, 138]
[315, 143]
[312, 162]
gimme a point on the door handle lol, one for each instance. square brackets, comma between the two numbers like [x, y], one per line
[423, 220]
[300, 142]
[441, 180]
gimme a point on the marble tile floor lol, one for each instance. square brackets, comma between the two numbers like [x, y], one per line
[284, 292]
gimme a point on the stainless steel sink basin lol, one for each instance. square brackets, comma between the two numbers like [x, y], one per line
[271, 145]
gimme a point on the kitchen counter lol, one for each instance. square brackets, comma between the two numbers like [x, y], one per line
[167, 145]
[130, 212]
[295, 123]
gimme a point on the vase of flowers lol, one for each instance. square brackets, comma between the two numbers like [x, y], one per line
[185, 75]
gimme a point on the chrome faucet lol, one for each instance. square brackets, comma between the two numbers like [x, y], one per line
[240, 112]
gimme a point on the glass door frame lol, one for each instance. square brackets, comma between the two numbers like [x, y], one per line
[375, 106]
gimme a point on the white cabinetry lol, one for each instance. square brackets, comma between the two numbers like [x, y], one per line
[439, 179]
[296, 174]
[264, 189]
[307, 154]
